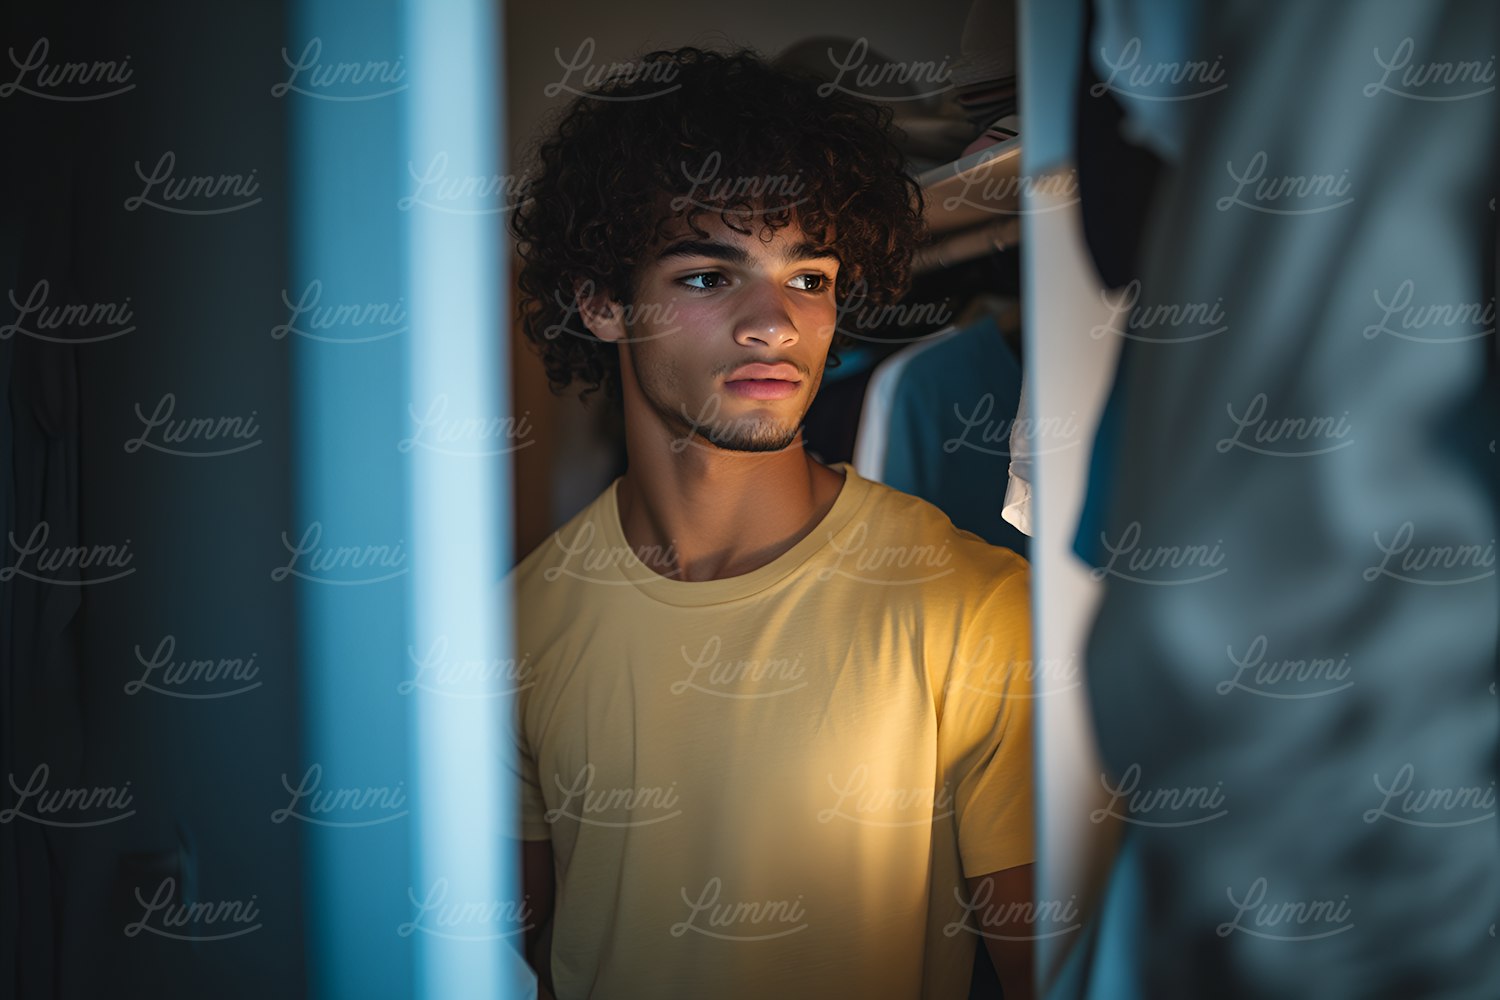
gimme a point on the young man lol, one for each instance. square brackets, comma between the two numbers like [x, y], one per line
[775, 737]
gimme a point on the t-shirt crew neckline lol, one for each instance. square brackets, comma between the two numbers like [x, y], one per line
[688, 593]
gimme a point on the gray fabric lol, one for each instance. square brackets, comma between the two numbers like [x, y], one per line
[1354, 808]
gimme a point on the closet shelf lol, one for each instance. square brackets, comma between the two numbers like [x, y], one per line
[975, 189]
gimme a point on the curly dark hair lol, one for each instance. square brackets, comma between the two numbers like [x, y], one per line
[615, 157]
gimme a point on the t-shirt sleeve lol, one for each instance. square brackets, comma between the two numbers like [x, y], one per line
[985, 731]
[531, 817]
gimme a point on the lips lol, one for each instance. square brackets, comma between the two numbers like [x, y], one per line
[783, 372]
[763, 388]
[764, 381]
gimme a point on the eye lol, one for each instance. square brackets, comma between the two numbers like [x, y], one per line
[821, 282]
[713, 275]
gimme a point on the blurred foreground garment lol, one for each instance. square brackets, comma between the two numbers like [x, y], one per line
[1293, 668]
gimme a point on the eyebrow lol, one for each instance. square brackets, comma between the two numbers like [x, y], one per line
[805, 250]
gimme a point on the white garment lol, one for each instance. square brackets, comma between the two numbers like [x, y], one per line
[1017, 509]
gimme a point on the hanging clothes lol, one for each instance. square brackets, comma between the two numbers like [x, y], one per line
[1355, 855]
[937, 421]
[1017, 507]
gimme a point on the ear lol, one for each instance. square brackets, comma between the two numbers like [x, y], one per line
[604, 317]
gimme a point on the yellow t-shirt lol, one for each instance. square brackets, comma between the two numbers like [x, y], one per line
[773, 785]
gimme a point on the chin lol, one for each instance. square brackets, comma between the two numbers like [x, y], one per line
[763, 447]
[760, 435]
[722, 421]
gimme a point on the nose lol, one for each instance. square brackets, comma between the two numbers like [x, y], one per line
[764, 319]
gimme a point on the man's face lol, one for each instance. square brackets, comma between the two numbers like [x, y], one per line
[728, 336]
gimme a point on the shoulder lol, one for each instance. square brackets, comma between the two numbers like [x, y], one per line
[895, 521]
[973, 599]
[582, 530]
[542, 583]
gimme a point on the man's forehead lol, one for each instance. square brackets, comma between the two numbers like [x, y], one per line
[676, 238]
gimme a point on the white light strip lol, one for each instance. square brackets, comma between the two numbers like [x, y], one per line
[460, 495]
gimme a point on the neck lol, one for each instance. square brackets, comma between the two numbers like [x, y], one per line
[699, 513]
